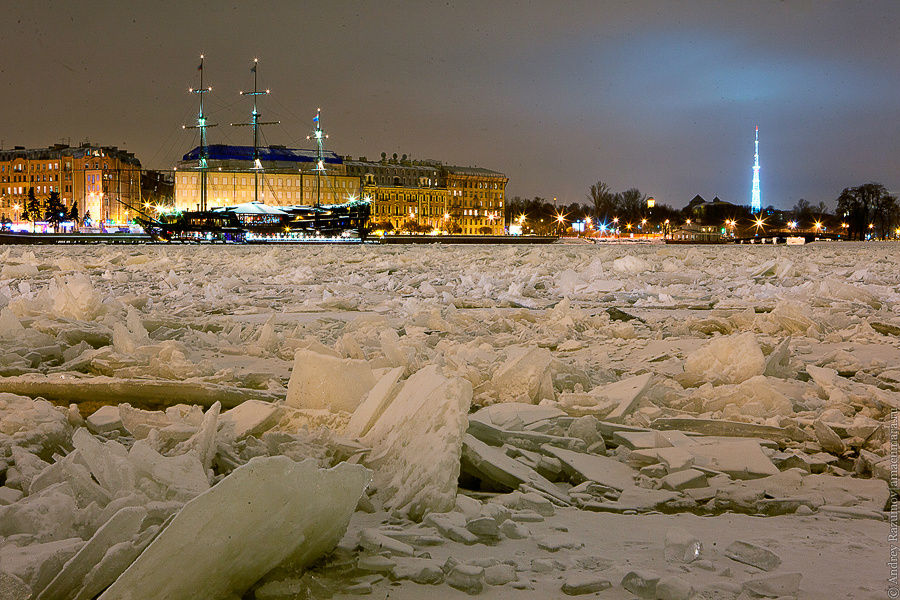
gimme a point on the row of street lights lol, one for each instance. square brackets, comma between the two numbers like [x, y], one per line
[730, 224]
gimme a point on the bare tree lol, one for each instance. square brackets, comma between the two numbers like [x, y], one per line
[632, 204]
[864, 205]
[802, 211]
[603, 201]
[884, 213]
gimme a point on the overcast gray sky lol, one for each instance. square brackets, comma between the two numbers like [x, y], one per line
[663, 96]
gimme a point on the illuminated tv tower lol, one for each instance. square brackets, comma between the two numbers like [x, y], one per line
[755, 201]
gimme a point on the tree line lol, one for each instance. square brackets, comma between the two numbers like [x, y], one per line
[862, 212]
[602, 206]
[868, 209]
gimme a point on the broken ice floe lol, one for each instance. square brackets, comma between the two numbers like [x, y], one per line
[622, 381]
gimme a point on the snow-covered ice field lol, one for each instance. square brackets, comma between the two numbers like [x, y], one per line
[526, 421]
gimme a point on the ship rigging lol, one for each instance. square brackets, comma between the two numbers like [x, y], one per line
[256, 221]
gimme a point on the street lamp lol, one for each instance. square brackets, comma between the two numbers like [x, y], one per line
[729, 225]
[759, 224]
[792, 224]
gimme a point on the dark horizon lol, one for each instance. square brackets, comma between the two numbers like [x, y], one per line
[649, 95]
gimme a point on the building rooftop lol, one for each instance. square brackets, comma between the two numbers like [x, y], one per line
[266, 154]
[473, 171]
[86, 149]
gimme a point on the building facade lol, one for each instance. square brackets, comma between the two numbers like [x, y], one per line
[428, 195]
[405, 195]
[408, 208]
[286, 179]
[103, 181]
[477, 198]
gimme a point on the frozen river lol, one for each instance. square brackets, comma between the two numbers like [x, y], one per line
[778, 369]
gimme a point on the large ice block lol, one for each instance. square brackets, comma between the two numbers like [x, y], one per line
[268, 513]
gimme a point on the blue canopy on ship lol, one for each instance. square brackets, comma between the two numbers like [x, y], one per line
[266, 154]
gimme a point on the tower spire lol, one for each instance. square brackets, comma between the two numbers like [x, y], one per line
[255, 123]
[755, 200]
[202, 125]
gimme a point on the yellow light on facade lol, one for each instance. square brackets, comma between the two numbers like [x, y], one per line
[688, 221]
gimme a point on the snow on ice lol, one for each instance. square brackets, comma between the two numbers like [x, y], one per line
[268, 423]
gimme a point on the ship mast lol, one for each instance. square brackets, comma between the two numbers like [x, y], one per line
[255, 123]
[320, 136]
[202, 125]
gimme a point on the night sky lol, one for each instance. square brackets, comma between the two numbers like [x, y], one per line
[660, 96]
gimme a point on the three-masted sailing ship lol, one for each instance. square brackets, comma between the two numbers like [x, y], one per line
[256, 222]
